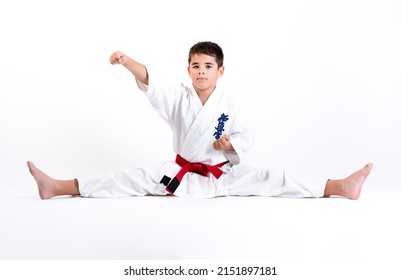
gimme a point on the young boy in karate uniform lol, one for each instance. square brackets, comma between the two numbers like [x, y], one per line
[210, 141]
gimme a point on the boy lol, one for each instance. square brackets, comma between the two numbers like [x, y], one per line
[210, 142]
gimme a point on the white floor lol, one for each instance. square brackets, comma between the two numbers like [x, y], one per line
[232, 228]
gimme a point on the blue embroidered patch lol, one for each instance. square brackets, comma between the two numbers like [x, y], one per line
[220, 126]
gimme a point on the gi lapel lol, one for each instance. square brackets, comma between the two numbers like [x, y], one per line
[201, 130]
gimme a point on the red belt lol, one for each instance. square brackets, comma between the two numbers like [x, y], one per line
[199, 168]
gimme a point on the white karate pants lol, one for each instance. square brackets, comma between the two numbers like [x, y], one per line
[237, 180]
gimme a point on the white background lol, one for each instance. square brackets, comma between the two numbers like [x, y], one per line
[320, 79]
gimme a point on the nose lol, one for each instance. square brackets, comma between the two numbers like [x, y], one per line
[201, 70]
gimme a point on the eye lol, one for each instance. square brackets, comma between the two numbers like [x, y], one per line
[195, 67]
[209, 66]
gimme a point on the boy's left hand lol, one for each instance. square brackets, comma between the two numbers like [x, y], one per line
[223, 144]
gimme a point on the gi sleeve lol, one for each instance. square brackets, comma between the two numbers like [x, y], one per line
[162, 96]
[241, 138]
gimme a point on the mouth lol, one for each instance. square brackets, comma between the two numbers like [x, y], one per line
[201, 79]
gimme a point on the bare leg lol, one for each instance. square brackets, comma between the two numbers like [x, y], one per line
[49, 187]
[349, 187]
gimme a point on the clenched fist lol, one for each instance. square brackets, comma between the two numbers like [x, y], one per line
[118, 58]
[223, 144]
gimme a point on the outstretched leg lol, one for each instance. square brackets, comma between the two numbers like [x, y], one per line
[49, 187]
[349, 187]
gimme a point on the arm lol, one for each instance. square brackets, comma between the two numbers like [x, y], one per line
[136, 68]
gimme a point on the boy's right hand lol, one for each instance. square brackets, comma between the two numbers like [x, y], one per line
[118, 58]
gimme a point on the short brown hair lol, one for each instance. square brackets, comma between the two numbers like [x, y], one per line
[208, 48]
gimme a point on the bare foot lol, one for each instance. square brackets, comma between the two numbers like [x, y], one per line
[46, 185]
[351, 186]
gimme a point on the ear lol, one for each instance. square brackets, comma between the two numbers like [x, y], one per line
[189, 71]
[221, 71]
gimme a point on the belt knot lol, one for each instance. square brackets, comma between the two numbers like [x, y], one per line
[196, 167]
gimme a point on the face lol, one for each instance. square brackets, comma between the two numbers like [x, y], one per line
[204, 72]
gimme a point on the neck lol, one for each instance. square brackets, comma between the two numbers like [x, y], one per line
[204, 94]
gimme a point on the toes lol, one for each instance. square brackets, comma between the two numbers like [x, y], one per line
[369, 166]
[30, 167]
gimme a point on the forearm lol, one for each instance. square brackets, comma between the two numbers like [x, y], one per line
[137, 69]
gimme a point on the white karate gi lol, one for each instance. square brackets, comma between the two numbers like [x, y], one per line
[194, 127]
